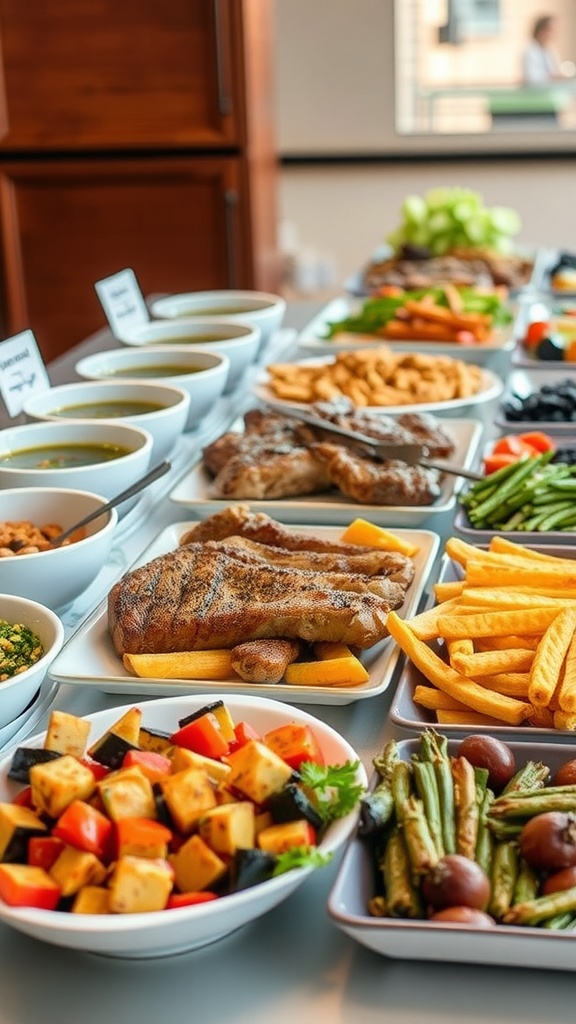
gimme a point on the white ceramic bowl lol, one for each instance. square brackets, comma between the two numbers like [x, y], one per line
[168, 932]
[259, 309]
[106, 477]
[201, 373]
[80, 401]
[55, 577]
[16, 692]
[240, 342]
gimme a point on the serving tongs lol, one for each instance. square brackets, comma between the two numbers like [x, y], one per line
[413, 454]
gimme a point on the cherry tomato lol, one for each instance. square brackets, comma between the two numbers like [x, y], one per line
[535, 332]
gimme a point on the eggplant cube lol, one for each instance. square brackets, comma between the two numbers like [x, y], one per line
[67, 734]
[188, 795]
[57, 783]
[257, 771]
[228, 827]
[17, 825]
[139, 885]
[127, 793]
[74, 869]
[196, 866]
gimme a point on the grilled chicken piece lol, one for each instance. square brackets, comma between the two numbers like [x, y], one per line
[199, 598]
[264, 661]
[368, 561]
[378, 483]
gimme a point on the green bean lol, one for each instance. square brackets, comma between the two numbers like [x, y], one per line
[427, 789]
[419, 842]
[521, 471]
[503, 878]
[527, 883]
[541, 908]
[402, 898]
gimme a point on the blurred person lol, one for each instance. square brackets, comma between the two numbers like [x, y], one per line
[540, 61]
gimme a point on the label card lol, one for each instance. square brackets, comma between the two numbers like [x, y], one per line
[122, 301]
[22, 371]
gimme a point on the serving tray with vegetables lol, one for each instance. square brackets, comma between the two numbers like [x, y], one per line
[504, 858]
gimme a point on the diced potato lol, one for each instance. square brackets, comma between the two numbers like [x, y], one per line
[183, 758]
[284, 836]
[67, 734]
[75, 868]
[139, 885]
[257, 771]
[229, 827]
[91, 899]
[196, 866]
[127, 793]
[55, 784]
[188, 795]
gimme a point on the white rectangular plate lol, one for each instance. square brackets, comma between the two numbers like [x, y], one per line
[89, 659]
[313, 337]
[405, 713]
[332, 508]
[503, 945]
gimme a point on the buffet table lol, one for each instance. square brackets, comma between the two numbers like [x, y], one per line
[293, 964]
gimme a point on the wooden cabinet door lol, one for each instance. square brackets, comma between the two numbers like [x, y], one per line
[120, 74]
[180, 223]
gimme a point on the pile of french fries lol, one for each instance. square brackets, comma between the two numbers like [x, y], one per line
[377, 377]
[426, 319]
[499, 646]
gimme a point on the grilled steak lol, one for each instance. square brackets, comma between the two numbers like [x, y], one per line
[198, 597]
[367, 561]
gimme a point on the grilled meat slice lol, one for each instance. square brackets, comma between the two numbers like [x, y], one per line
[271, 459]
[199, 598]
[264, 661]
[407, 428]
[368, 562]
[378, 483]
[239, 520]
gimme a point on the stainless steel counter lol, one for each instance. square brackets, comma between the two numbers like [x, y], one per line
[291, 967]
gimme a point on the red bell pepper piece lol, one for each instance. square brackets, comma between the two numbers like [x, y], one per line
[43, 851]
[204, 736]
[84, 827]
[22, 885]
[142, 837]
[294, 743]
[153, 765]
[189, 899]
[243, 733]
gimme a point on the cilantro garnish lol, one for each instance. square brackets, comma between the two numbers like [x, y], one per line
[334, 788]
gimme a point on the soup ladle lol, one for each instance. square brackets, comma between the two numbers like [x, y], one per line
[135, 488]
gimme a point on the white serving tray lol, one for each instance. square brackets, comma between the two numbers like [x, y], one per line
[413, 717]
[88, 659]
[503, 945]
[332, 508]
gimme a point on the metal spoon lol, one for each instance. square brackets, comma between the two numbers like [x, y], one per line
[139, 485]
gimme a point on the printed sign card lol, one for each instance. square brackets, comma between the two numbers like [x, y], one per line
[22, 371]
[122, 301]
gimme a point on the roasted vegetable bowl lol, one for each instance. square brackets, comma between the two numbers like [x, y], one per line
[101, 853]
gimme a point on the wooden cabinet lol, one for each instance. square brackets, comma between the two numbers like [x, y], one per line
[139, 134]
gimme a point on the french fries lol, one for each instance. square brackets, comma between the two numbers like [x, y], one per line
[506, 629]
[377, 377]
